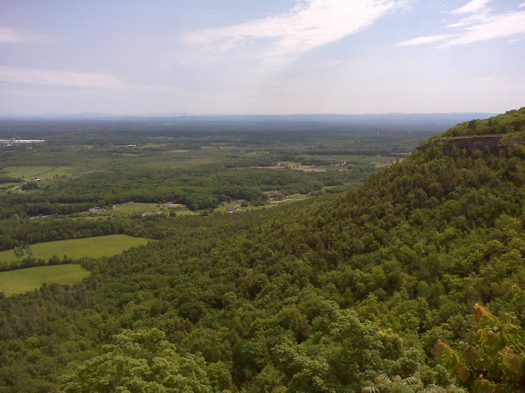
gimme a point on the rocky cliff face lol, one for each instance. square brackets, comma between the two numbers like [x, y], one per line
[493, 142]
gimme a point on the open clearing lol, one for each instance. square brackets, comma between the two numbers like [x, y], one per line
[33, 172]
[23, 280]
[140, 208]
[93, 247]
[137, 208]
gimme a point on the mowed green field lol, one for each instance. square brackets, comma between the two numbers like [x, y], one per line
[93, 247]
[137, 208]
[33, 172]
[24, 280]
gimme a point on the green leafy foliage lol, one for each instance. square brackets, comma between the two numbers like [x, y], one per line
[383, 383]
[511, 121]
[493, 360]
[341, 354]
[140, 361]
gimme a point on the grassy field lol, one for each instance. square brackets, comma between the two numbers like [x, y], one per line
[290, 198]
[93, 247]
[33, 172]
[8, 186]
[378, 161]
[23, 280]
[134, 208]
[271, 204]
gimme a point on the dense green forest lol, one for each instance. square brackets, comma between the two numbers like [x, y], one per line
[412, 281]
[511, 122]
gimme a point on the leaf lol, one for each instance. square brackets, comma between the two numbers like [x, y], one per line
[381, 379]
[441, 347]
[471, 355]
[462, 373]
[481, 385]
[413, 381]
[490, 334]
[512, 361]
[478, 312]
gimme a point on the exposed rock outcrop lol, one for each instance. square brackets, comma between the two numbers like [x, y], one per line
[493, 142]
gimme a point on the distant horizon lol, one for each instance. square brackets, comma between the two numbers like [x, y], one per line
[87, 115]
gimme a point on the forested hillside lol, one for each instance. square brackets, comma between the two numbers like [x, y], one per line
[342, 293]
[510, 122]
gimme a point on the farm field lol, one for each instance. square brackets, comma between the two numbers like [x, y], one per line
[376, 160]
[31, 172]
[93, 247]
[24, 280]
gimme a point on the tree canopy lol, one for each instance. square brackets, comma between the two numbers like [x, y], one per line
[339, 293]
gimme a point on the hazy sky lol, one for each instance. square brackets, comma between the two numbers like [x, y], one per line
[261, 56]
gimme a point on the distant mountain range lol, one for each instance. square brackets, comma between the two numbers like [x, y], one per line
[324, 117]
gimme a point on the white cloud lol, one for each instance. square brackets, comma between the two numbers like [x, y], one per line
[505, 25]
[517, 40]
[50, 77]
[477, 11]
[482, 25]
[13, 36]
[522, 5]
[472, 6]
[311, 24]
[472, 20]
[426, 40]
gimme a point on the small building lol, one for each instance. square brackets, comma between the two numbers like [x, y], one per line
[232, 209]
[171, 205]
[95, 210]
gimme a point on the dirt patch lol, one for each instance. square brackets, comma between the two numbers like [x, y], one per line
[297, 168]
[309, 169]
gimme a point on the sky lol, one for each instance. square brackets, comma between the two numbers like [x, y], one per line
[261, 56]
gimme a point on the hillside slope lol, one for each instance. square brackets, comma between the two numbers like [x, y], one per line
[316, 297]
[510, 122]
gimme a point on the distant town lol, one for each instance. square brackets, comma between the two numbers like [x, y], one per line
[10, 142]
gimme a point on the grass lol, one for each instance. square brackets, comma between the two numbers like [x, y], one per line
[32, 172]
[134, 208]
[24, 280]
[271, 204]
[291, 198]
[94, 247]
[184, 212]
[358, 158]
[8, 186]
[179, 159]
